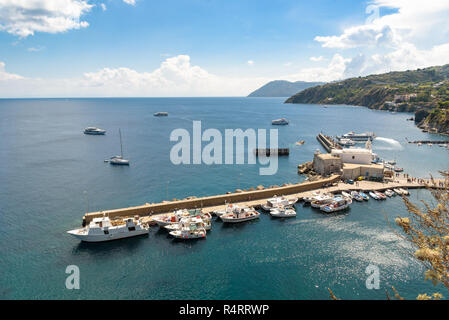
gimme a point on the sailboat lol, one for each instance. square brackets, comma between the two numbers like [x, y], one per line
[118, 160]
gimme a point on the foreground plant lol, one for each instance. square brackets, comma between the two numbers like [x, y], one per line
[427, 230]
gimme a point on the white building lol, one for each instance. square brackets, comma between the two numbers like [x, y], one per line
[354, 155]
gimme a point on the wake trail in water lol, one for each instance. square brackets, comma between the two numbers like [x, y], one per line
[388, 144]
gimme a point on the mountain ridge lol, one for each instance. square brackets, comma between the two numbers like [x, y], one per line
[282, 88]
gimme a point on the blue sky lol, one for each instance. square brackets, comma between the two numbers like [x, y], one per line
[247, 42]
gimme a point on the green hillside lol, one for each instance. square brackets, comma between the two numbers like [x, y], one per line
[409, 91]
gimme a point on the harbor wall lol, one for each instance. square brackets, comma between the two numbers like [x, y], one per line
[163, 207]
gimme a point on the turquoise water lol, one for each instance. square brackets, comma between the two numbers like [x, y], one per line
[50, 164]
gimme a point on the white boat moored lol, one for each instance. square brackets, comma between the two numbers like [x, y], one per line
[104, 229]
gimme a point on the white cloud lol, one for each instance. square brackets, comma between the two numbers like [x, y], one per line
[4, 76]
[250, 63]
[335, 70]
[130, 2]
[317, 59]
[373, 35]
[25, 17]
[35, 49]
[103, 6]
[414, 36]
[176, 76]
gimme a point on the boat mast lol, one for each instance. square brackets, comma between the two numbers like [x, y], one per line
[121, 147]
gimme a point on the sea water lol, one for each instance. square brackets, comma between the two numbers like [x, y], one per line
[52, 173]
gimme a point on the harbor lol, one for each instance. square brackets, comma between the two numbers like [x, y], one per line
[257, 198]
[333, 247]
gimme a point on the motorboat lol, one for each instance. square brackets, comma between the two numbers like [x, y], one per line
[240, 215]
[397, 169]
[346, 142]
[390, 193]
[278, 201]
[94, 131]
[364, 196]
[228, 209]
[380, 195]
[356, 196]
[174, 218]
[346, 195]
[404, 191]
[283, 212]
[160, 114]
[322, 200]
[192, 231]
[311, 198]
[336, 205]
[374, 195]
[397, 191]
[185, 221]
[280, 122]
[103, 229]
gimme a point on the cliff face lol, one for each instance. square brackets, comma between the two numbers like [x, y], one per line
[408, 91]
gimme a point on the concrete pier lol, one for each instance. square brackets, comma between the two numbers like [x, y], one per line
[259, 197]
[327, 142]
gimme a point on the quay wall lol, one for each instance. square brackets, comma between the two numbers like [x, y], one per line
[163, 207]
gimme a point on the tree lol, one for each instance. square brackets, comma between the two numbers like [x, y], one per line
[427, 230]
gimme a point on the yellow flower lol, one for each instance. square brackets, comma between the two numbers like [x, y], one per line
[423, 297]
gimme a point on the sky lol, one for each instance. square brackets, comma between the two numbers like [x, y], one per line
[148, 48]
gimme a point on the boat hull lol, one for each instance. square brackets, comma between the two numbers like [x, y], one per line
[237, 220]
[107, 237]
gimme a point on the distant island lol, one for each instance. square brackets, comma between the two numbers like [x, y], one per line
[282, 88]
[423, 91]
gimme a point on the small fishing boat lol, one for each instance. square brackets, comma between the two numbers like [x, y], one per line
[174, 218]
[278, 201]
[364, 196]
[356, 196]
[94, 131]
[404, 191]
[398, 169]
[313, 197]
[397, 191]
[380, 195]
[103, 229]
[322, 200]
[346, 195]
[336, 205]
[280, 122]
[390, 193]
[228, 209]
[283, 212]
[240, 215]
[374, 195]
[186, 221]
[189, 232]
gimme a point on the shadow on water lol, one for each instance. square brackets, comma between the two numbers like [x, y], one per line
[238, 226]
